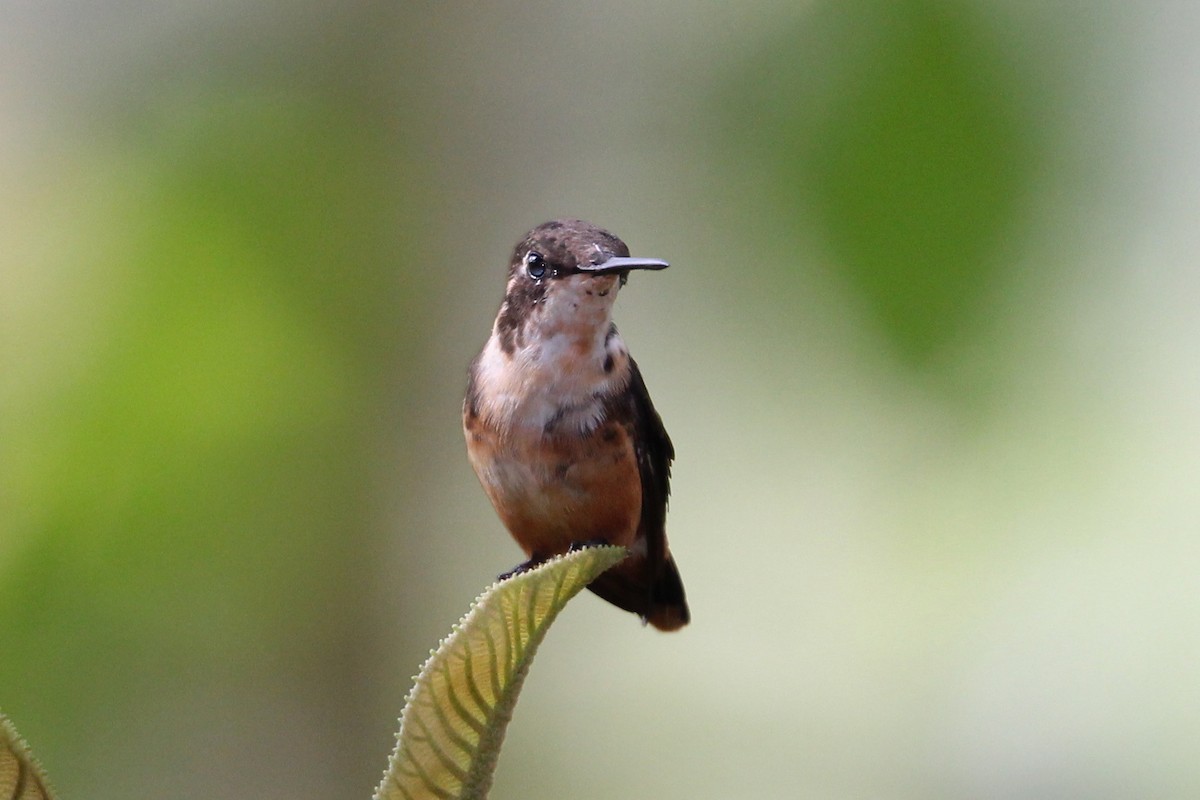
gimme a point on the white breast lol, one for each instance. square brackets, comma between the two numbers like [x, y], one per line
[558, 377]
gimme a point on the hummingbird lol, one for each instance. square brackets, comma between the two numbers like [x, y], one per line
[559, 425]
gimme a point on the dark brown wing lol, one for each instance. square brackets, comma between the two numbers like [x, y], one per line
[649, 586]
[668, 603]
[654, 456]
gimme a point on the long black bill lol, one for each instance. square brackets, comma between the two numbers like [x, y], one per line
[618, 264]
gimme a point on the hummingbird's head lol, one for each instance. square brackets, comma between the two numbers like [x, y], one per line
[564, 276]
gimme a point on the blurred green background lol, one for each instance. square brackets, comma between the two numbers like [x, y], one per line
[928, 352]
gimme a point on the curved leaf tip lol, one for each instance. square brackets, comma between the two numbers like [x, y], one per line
[21, 777]
[458, 710]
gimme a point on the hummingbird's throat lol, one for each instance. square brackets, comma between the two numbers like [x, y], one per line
[556, 381]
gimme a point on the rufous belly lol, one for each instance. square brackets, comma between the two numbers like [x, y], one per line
[552, 491]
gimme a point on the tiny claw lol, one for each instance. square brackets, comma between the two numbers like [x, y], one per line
[524, 566]
[586, 544]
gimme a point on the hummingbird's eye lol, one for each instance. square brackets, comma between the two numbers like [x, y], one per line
[535, 265]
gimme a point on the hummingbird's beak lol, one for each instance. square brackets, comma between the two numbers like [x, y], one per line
[618, 264]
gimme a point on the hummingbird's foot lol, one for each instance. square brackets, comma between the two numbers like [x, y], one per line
[586, 544]
[524, 566]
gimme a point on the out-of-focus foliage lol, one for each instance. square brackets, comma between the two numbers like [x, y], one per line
[186, 490]
[899, 135]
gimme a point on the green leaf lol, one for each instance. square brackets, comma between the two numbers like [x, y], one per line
[21, 777]
[454, 721]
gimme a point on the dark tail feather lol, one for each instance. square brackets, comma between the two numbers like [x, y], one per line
[668, 606]
[662, 603]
